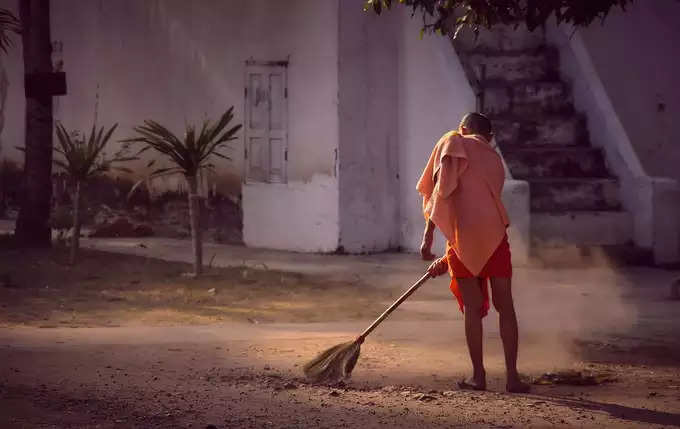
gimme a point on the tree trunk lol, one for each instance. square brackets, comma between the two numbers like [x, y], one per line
[195, 218]
[75, 237]
[32, 227]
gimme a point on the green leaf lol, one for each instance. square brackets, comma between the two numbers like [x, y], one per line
[489, 13]
[459, 27]
[219, 155]
[162, 171]
[134, 188]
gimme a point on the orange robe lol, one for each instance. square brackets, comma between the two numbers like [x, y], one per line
[465, 204]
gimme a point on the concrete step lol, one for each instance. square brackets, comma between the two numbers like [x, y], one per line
[581, 228]
[503, 38]
[513, 67]
[554, 162]
[528, 99]
[560, 130]
[569, 194]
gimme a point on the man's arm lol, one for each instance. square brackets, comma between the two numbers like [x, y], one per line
[428, 238]
[449, 182]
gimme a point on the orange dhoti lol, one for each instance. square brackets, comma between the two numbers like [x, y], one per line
[498, 265]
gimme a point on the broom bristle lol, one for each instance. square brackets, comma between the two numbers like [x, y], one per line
[333, 364]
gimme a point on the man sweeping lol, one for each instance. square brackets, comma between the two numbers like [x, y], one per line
[461, 188]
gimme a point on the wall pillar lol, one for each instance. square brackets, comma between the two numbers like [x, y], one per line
[516, 200]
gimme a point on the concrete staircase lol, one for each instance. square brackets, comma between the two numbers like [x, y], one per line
[574, 198]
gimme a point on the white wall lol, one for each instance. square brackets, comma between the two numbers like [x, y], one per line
[298, 216]
[368, 157]
[636, 56]
[180, 61]
[434, 94]
[365, 86]
[303, 214]
[621, 73]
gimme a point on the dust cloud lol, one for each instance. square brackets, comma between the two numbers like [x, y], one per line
[561, 308]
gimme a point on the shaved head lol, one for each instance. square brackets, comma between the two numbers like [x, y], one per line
[476, 123]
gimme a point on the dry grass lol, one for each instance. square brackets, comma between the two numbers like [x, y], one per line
[39, 288]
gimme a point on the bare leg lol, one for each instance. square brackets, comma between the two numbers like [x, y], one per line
[502, 299]
[473, 299]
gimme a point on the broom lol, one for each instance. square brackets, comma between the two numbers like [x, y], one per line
[338, 362]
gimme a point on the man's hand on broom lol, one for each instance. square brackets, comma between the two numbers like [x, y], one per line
[438, 267]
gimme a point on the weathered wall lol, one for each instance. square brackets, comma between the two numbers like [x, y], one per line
[636, 57]
[363, 88]
[303, 214]
[298, 216]
[368, 156]
[623, 76]
[434, 94]
[177, 61]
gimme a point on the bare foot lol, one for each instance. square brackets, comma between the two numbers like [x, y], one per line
[472, 384]
[517, 386]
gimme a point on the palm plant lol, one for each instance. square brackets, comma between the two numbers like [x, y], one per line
[8, 24]
[189, 157]
[82, 159]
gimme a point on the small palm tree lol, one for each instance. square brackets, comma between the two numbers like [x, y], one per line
[83, 159]
[189, 157]
[8, 24]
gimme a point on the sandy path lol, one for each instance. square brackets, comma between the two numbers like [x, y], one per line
[237, 375]
[618, 324]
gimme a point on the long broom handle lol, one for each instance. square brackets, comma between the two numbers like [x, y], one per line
[396, 304]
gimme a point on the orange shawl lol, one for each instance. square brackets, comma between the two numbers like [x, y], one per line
[465, 203]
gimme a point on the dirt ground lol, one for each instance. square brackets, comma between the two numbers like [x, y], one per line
[126, 341]
[42, 290]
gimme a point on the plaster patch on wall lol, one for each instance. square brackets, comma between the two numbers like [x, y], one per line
[368, 152]
[298, 216]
